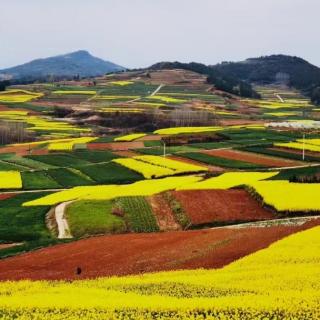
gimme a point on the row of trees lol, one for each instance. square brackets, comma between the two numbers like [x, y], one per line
[14, 132]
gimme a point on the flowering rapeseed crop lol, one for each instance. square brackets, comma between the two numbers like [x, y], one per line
[288, 196]
[130, 137]
[154, 166]
[279, 282]
[68, 145]
[10, 180]
[299, 146]
[106, 192]
[229, 180]
[16, 96]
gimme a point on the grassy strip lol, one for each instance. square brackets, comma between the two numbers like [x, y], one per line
[110, 173]
[68, 178]
[32, 180]
[6, 166]
[222, 162]
[294, 174]
[93, 217]
[59, 160]
[138, 214]
[19, 223]
[95, 156]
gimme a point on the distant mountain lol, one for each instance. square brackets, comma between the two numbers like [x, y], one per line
[80, 63]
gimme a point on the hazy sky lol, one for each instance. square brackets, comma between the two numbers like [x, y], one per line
[138, 33]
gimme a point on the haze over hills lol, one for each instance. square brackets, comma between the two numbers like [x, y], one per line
[80, 63]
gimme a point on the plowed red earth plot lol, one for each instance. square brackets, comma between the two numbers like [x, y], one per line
[216, 206]
[252, 158]
[138, 253]
[4, 196]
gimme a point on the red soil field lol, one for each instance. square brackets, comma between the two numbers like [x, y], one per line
[252, 158]
[138, 253]
[117, 146]
[23, 150]
[4, 196]
[209, 206]
[126, 153]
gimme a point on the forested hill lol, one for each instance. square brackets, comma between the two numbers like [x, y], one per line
[219, 79]
[293, 71]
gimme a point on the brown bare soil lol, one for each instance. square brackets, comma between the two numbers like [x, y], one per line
[138, 253]
[295, 151]
[220, 206]
[24, 150]
[251, 157]
[155, 137]
[197, 163]
[163, 213]
[4, 196]
[116, 146]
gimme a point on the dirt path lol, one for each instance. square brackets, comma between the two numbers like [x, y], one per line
[163, 213]
[138, 253]
[295, 221]
[157, 90]
[63, 227]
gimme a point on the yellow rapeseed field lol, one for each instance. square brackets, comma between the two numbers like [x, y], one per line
[68, 145]
[176, 166]
[10, 180]
[17, 96]
[179, 130]
[166, 99]
[149, 171]
[299, 146]
[85, 92]
[279, 282]
[106, 192]
[121, 83]
[155, 166]
[130, 137]
[229, 180]
[288, 196]
[37, 123]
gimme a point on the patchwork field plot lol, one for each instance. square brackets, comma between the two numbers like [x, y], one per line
[87, 218]
[137, 253]
[10, 180]
[252, 158]
[289, 197]
[154, 167]
[108, 192]
[220, 206]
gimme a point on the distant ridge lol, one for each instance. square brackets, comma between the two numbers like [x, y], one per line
[79, 63]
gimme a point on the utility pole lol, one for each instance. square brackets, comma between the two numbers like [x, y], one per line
[164, 149]
[303, 146]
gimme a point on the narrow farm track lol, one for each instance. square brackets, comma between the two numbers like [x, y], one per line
[62, 222]
[157, 90]
[138, 253]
